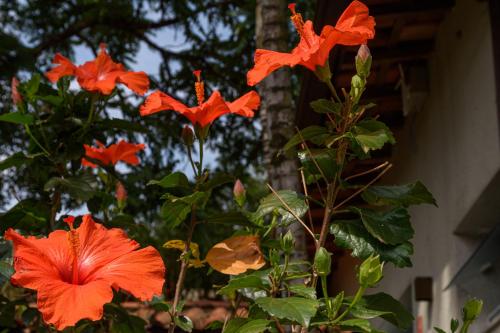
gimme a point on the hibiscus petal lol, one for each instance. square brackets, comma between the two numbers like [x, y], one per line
[63, 304]
[159, 101]
[141, 273]
[95, 153]
[135, 81]
[66, 67]
[126, 152]
[356, 24]
[246, 104]
[267, 62]
[212, 109]
[39, 260]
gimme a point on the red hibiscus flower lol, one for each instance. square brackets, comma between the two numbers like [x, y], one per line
[16, 96]
[206, 111]
[99, 75]
[75, 272]
[121, 151]
[354, 27]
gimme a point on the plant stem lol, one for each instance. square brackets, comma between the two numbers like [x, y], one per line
[332, 89]
[357, 297]
[200, 163]
[182, 273]
[191, 160]
[28, 130]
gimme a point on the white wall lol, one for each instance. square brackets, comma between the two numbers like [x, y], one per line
[453, 147]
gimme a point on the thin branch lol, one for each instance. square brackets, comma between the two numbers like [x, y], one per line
[293, 213]
[304, 185]
[367, 171]
[363, 188]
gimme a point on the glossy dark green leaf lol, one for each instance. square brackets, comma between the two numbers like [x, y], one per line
[15, 160]
[217, 180]
[438, 330]
[175, 179]
[315, 134]
[184, 323]
[302, 290]
[319, 162]
[175, 210]
[237, 325]
[372, 134]
[326, 106]
[31, 214]
[297, 309]
[353, 235]
[399, 195]
[271, 203]
[356, 325]
[398, 315]
[390, 227]
[255, 280]
[454, 323]
[76, 187]
[17, 118]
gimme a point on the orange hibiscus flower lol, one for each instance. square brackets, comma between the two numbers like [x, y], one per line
[74, 272]
[121, 151]
[354, 27]
[206, 111]
[99, 75]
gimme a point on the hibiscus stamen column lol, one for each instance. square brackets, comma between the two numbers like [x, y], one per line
[298, 21]
[74, 244]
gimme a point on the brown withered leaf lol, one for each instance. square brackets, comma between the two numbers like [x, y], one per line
[236, 255]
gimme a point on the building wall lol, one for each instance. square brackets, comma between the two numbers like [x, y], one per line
[453, 146]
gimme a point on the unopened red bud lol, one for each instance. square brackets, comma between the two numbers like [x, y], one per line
[187, 135]
[16, 96]
[121, 192]
[239, 193]
[363, 52]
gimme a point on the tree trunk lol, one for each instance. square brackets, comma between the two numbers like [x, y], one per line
[277, 112]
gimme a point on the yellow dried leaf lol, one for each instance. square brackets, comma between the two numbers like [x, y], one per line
[181, 245]
[236, 255]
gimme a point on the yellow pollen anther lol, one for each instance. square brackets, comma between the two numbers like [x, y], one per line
[297, 20]
[199, 87]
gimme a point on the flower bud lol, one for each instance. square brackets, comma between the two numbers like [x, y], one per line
[363, 61]
[370, 272]
[287, 242]
[239, 193]
[121, 195]
[187, 135]
[472, 309]
[322, 262]
[16, 96]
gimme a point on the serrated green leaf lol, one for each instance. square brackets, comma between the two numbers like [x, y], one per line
[248, 326]
[17, 118]
[175, 179]
[353, 235]
[297, 309]
[372, 134]
[326, 106]
[390, 227]
[357, 325]
[257, 280]
[184, 323]
[315, 134]
[399, 195]
[302, 290]
[175, 210]
[398, 315]
[270, 203]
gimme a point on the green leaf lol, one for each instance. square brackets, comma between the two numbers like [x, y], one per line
[271, 203]
[357, 325]
[175, 210]
[391, 227]
[175, 179]
[372, 134]
[217, 180]
[31, 214]
[52, 99]
[315, 134]
[398, 315]
[438, 330]
[359, 311]
[31, 87]
[77, 187]
[297, 309]
[254, 280]
[241, 325]
[184, 323]
[302, 290]
[353, 235]
[454, 323]
[326, 106]
[325, 159]
[15, 160]
[400, 195]
[17, 118]
[337, 303]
